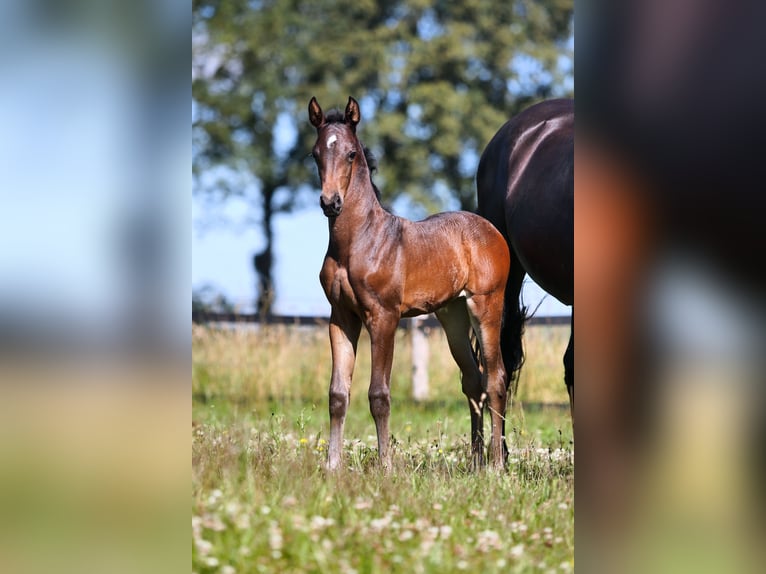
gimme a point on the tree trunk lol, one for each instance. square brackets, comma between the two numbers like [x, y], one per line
[264, 261]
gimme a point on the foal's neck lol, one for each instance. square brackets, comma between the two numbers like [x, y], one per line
[361, 211]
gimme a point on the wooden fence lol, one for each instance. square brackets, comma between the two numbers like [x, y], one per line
[417, 326]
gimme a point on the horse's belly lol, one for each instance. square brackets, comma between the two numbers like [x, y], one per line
[430, 295]
[551, 267]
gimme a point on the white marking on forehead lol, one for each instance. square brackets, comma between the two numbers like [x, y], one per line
[331, 140]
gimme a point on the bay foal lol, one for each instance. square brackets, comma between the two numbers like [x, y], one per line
[380, 267]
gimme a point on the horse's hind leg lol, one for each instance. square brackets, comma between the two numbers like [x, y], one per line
[486, 313]
[569, 369]
[457, 326]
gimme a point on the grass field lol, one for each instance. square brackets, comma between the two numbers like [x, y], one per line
[262, 502]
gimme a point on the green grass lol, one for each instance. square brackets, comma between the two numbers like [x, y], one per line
[262, 502]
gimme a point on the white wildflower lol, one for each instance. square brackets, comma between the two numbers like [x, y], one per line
[242, 521]
[214, 497]
[213, 522]
[380, 523]
[203, 546]
[320, 522]
[487, 540]
[275, 536]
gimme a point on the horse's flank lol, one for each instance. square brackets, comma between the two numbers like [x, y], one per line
[525, 187]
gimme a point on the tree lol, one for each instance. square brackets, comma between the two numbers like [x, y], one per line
[435, 81]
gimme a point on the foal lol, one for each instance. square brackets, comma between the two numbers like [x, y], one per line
[380, 267]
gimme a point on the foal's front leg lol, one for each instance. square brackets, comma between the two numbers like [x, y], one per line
[344, 335]
[382, 328]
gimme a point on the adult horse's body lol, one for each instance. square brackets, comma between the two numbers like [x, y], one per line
[525, 184]
[379, 268]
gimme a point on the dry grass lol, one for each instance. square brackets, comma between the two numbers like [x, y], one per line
[288, 363]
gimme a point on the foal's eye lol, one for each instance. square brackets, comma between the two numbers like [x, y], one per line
[351, 155]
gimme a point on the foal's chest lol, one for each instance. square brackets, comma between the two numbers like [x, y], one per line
[335, 282]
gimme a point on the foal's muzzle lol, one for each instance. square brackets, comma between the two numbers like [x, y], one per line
[331, 207]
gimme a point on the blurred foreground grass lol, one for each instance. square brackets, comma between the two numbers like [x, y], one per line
[93, 460]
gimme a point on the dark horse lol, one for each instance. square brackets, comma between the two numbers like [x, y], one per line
[380, 267]
[525, 187]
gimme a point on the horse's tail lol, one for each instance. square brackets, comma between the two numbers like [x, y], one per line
[476, 348]
[514, 320]
[511, 343]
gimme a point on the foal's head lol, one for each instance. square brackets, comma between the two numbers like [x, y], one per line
[337, 152]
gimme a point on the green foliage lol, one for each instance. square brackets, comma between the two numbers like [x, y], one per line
[435, 81]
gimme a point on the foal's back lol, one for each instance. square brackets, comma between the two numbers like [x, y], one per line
[447, 255]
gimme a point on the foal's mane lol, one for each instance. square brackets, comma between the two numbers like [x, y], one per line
[336, 116]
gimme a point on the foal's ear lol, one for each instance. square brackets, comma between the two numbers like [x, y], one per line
[352, 113]
[316, 117]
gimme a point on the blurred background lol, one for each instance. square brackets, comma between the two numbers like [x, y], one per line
[670, 286]
[94, 286]
[94, 177]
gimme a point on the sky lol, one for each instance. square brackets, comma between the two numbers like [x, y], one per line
[222, 258]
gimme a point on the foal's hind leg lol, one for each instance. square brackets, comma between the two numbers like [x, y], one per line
[457, 326]
[486, 312]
